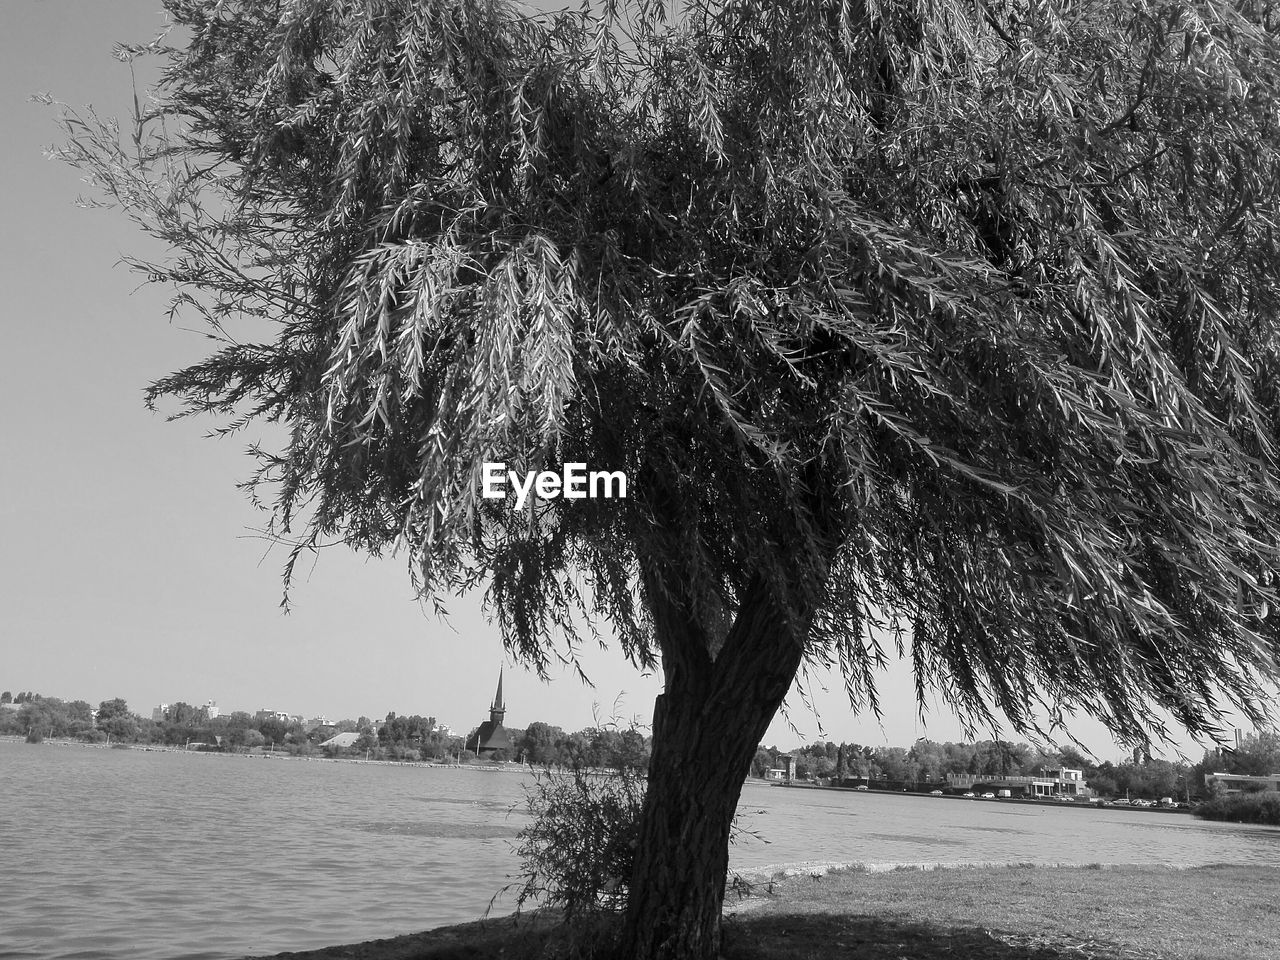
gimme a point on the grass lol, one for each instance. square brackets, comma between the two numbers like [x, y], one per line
[976, 913]
[1002, 913]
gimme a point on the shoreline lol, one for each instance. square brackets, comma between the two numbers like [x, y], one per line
[527, 768]
[165, 748]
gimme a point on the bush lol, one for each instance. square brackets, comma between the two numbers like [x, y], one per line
[578, 852]
[1242, 808]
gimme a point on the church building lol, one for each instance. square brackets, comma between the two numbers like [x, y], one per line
[492, 736]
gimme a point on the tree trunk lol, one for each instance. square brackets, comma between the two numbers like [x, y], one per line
[707, 725]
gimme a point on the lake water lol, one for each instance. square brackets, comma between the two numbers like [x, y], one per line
[112, 854]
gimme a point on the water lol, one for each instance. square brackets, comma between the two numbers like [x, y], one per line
[877, 828]
[113, 854]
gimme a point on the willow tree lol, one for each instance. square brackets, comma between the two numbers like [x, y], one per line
[943, 325]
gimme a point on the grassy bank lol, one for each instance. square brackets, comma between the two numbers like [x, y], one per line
[1243, 808]
[992, 913]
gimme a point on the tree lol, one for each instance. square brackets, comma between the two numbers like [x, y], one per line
[895, 766]
[115, 719]
[1258, 754]
[950, 326]
[6, 697]
[37, 716]
[273, 729]
[930, 759]
[763, 761]
[185, 715]
[247, 737]
[538, 743]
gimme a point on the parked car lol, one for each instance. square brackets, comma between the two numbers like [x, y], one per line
[935, 793]
[1120, 802]
[861, 786]
[988, 796]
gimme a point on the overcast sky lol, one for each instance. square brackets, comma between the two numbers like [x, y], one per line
[128, 564]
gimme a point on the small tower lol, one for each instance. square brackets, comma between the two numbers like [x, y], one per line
[499, 708]
[492, 737]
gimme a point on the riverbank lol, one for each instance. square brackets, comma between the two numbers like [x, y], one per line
[1011, 912]
[1263, 808]
[260, 753]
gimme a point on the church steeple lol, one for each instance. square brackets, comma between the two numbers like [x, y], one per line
[499, 708]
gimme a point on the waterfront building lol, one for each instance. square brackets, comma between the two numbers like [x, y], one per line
[1230, 783]
[1049, 782]
[211, 710]
[161, 713]
[492, 736]
[1068, 781]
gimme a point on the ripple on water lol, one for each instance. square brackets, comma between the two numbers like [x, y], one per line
[920, 839]
[468, 831]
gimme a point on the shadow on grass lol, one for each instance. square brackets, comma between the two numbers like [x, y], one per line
[781, 936]
[825, 937]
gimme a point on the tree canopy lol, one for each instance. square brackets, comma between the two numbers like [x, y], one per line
[947, 325]
[955, 318]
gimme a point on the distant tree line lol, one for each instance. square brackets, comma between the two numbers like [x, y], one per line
[927, 763]
[399, 738]
[923, 766]
[1257, 755]
[608, 747]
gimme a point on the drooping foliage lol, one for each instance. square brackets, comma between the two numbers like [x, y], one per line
[943, 321]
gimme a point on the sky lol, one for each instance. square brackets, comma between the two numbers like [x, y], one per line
[129, 566]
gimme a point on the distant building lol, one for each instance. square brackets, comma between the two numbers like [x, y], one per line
[1230, 783]
[160, 713]
[492, 736]
[316, 722]
[1069, 782]
[342, 740]
[211, 710]
[1051, 782]
[443, 729]
[265, 714]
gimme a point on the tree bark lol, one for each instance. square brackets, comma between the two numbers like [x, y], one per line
[707, 725]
